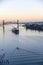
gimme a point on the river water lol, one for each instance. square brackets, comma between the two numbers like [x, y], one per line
[29, 42]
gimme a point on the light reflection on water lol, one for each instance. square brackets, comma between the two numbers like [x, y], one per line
[30, 45]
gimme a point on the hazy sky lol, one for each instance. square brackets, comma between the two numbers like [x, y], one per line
[24, 10]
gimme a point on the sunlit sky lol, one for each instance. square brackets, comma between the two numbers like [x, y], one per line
[24, 10]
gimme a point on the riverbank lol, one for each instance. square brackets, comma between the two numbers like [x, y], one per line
[34, 26]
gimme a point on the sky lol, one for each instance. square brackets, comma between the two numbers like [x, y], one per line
[23, 10]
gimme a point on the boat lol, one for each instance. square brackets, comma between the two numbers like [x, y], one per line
[16, 30]
[17, 48]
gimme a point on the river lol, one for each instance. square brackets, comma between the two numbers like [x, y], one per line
[29, 42]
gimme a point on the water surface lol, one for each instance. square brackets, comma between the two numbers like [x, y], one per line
[30, 45]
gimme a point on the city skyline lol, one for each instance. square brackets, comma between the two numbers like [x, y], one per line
[24, 10]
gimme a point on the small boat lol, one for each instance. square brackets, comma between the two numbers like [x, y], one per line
[15, 30]
[17, 48]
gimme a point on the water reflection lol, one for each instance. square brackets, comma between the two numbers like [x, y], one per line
[3, 31]
[33, 29]
[3, 28]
